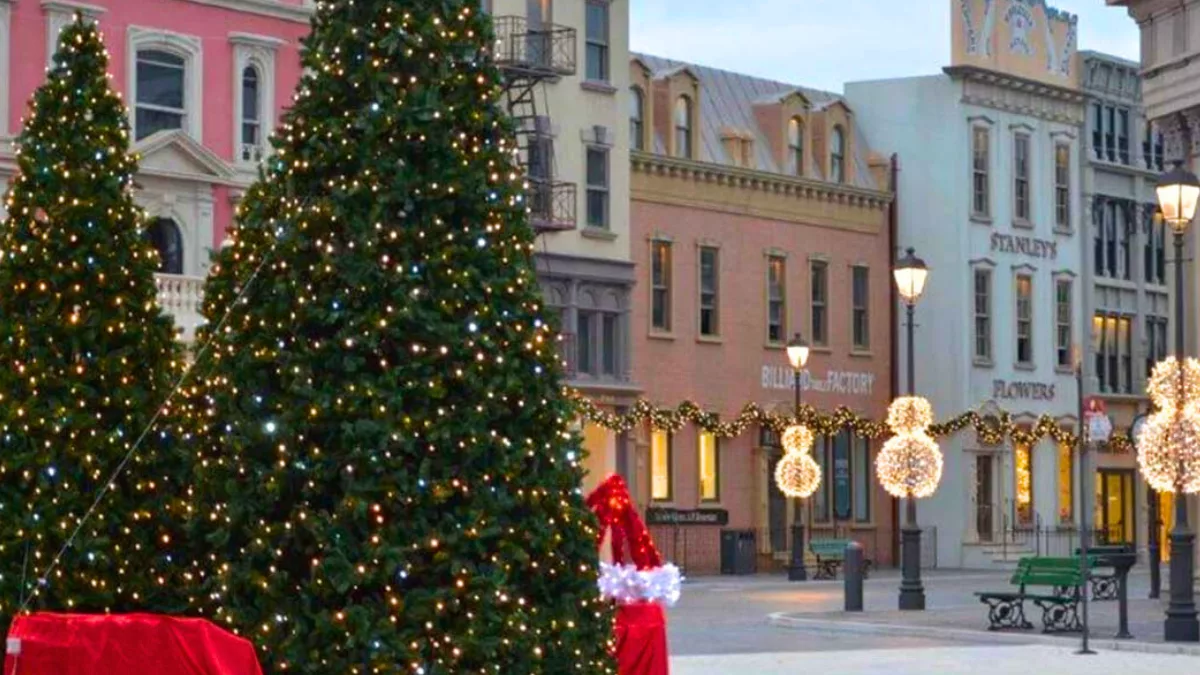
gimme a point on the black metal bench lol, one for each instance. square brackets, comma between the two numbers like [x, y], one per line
[830, 554]
[1060, 611]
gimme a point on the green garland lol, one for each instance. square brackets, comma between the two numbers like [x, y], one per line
[990, 429]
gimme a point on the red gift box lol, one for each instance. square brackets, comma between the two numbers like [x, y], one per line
[97, 644]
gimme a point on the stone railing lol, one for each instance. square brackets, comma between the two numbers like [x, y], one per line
[180, 296]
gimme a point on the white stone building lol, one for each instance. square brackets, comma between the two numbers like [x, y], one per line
[989, 195]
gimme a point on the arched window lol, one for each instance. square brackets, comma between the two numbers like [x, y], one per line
[164, 235]
[637, 122]
[160, 92]
[796, 145]
[683, 127]
[837, 156]
[251, 116]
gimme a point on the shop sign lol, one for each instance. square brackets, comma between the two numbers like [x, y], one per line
[669, 516]
[833, 382]
[841, 477]
[1028, 391]
[1027, 246]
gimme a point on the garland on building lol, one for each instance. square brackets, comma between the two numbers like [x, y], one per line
[989, 429]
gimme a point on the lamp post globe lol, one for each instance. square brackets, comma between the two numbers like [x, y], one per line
[1178, 191]
[910, 275]
[797, 352]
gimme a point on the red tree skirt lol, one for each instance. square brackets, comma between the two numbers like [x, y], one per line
[53, 644]
[641, 640]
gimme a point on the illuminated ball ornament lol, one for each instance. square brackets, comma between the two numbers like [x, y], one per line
[797, 438]
[910, 464]
[1163, 386]
[798, 475]
[910, 414]
[1169, 450]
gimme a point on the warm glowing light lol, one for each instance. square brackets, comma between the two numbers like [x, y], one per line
[1169, 450]
[798, 475]
[909, 414]
[797, 438]
[910, 465]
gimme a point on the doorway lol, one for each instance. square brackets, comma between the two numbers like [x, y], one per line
[985, 510]
[1115, 519]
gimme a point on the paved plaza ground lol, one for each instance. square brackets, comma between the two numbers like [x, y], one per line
[766, 625]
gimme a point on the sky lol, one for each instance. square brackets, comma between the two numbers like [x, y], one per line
[825, 43]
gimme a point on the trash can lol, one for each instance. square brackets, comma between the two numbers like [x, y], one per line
[738, 552]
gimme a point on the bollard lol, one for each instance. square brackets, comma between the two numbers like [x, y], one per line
[853, 577]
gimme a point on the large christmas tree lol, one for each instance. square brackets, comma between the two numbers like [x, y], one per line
[86, 359]
[386, 476]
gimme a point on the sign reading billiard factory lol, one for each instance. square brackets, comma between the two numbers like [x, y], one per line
[1028, 391]
[834, 381]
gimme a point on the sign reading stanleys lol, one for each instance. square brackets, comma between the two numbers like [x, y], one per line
[834, 382]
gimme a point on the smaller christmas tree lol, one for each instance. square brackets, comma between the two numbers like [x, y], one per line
[88, 363]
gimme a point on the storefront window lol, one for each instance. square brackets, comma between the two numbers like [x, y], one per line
[862, 479]
[660, 465]
[1066, 471]
[1024, 482]
[820, 498]
[710, 480]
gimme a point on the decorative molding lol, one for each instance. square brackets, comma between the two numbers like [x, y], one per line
[258, 52]
[973, 119]
[982, 262]
[1070, 135]
[1064, 274]
[188, 47]
[272, 8]
[252, 40]
[1022, 126]
[1023, 267]
[1018, 95]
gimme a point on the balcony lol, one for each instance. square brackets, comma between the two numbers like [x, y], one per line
[551, 205]
[181, 297]
[547, 50]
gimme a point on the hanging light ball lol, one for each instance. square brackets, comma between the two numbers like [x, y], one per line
[909, 414]
[797, 438]
[910, 464]
[1169, 450]
[1163, 386]
[798, 475]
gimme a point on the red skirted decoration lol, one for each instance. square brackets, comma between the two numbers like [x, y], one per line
[51, 644]
[637, 581]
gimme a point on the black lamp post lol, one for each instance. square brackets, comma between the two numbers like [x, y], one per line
[910, 274]
[1178, 191]
[797, 352]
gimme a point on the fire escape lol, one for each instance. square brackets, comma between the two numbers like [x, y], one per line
[529, 56]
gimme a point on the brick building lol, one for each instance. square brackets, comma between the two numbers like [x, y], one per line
[757, 212]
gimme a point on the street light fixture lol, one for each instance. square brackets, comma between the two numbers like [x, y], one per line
[910, 274]
[1178, 191]
[804, 479]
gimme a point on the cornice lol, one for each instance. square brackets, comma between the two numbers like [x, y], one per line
[757, 181]
[69, 6]
[271, 8]
[1020, 84]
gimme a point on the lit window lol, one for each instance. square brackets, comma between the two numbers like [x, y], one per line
[683, 127]
[660, 284]
[1024, 482]
[660, 465]
[160, 98]
[1066, 473]
[710, 467]
[796, 145]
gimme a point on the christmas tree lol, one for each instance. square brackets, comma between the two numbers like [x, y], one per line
[386, 479]
[86, 360]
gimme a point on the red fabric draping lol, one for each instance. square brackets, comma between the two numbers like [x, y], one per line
[615, 509]
[58, 644]
[641, 640]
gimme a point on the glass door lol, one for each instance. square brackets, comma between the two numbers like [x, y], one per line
[1114, 507]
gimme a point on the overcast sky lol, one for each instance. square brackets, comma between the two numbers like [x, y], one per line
[826, 43]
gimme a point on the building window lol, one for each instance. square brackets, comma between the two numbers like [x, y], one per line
[1110, 137]
[862, 479]
[1114, 354]
[1123, 136]
[637, 118]
[597, 41]
[1155, 256]
[1024, 319]
[776, 299]
[822, 446]
[709, 290]
[837, 156]
[610, 337]
[1156, 342]
[660, 465]
[1098, 130]
[1113, 250]
[980, 170]
[1062, 315]
[597, 187]
[860, 292]
[660, 286]
[251, 116]
[983, 315]
[585, 362]
[1152, 147]
[1066, 483]
[710, 467]
[161, 104]
[683, 127]
[1123, 232]
[165, 237]
[1023, 466]
[1062, 186]
[820, 303]
[1021, 177]
[796, 145]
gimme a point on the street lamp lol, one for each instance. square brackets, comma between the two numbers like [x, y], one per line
[799, 471]
[1178, 191]
[910, 274]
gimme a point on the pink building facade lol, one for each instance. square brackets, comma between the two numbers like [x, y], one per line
[205, 82]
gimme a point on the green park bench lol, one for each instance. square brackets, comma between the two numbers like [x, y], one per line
[830, 554]
[1059, 604]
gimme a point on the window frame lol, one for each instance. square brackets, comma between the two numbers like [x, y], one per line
[795, 144]
[177, 63]
[637, 118]
[1062, 187]
[603, 191]
[1022, 179]
[258, 52]
[981, 171]
[669, 442]
[602, 45]
[1064, 327]
[1156, 327]
[683, 131]
[1030, 516]
[187, 47]
[172, 231]
[837, 154]
[664, 288]
[818, 269]
[715, 293]
[858, 311]
[701, 434]
[1114, 351]
[1027, 321]
[985, 316]
[1068, 451]
[860, 479]
[773, 260]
